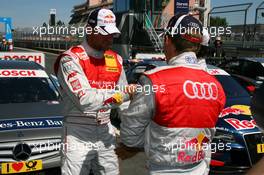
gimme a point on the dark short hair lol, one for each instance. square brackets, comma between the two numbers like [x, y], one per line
[189, 41]
[182, 45]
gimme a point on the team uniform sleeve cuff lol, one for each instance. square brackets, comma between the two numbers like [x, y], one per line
[125, 97]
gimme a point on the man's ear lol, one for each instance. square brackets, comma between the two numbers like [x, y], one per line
[169, 42]
[167, 39]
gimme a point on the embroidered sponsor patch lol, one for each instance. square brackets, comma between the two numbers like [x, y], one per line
[82, 56]
[111, 69]
[67, 66]
[81, 94]
[190, 60]
[71, 75]
[195, 144]
[76, 85]
[110, 61]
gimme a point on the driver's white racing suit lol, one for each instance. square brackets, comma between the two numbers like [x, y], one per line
[89, 80]
[173, 115]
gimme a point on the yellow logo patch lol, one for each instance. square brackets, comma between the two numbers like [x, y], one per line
[110, 61]
[260, 148]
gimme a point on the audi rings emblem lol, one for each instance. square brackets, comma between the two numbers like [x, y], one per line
[207, 91]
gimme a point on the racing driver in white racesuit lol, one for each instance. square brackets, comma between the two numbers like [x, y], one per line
[175, 114]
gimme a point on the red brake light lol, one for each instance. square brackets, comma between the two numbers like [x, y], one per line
[217, 163]
[251, 88]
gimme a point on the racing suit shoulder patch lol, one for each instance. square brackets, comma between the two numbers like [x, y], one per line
[63, 58]
[80, 52]
[77, 49]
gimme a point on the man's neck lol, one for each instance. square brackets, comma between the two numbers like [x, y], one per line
[170, 56]
[91, 51]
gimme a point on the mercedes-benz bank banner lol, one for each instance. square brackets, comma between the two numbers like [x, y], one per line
[31, 123]
[181, 6]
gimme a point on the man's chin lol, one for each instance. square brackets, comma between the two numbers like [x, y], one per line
[108, 48]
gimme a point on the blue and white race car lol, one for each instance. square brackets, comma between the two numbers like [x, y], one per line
[238, 143]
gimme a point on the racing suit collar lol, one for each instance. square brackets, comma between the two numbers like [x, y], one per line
[184, 58]
[188, 59]
[92, 52]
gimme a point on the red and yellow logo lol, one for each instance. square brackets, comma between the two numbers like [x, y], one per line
[236, 110]
[197, 142]
[195, 147]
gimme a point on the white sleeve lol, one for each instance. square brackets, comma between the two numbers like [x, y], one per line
[136, 118]
[75, 84]
[122, 83]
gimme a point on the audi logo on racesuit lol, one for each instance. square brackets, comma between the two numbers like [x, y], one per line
[197, 90]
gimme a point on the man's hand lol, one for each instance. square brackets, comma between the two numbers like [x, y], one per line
[123, 152]
[117, 98]
[131, 89]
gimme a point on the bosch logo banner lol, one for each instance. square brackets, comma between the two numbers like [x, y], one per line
[35, 56]
[31, 123]
[22, 73]
[197, 90]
